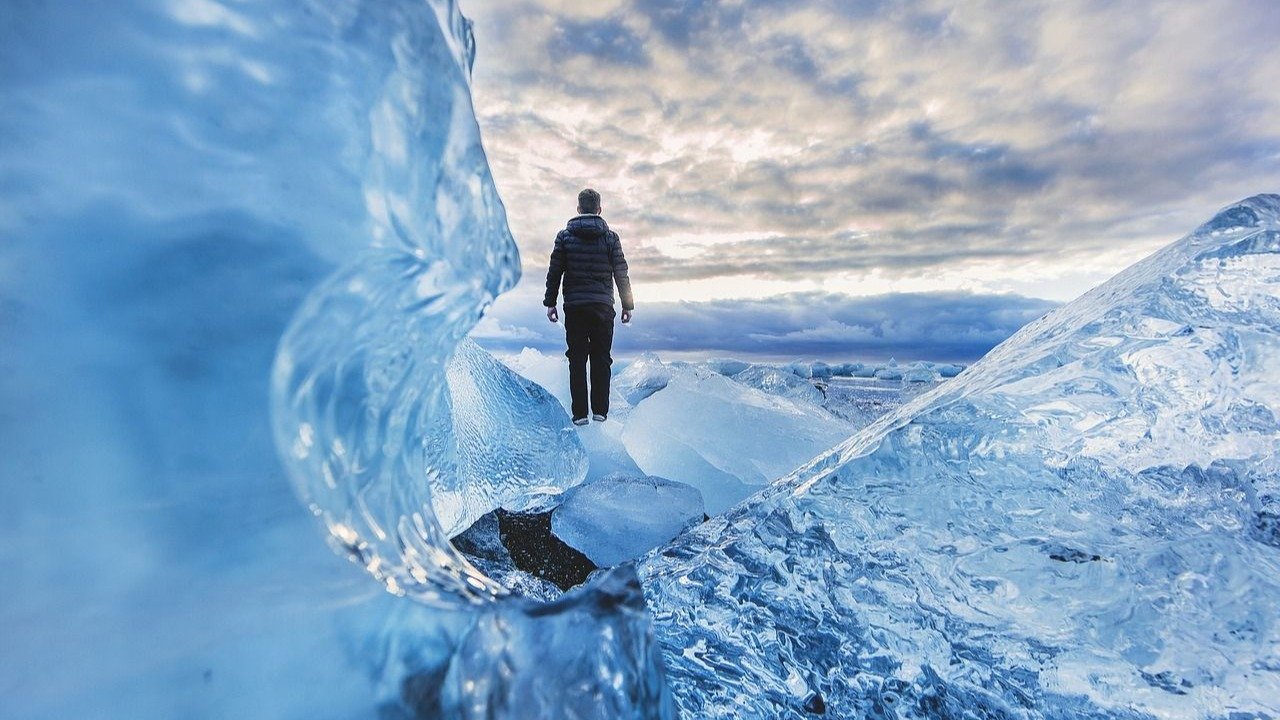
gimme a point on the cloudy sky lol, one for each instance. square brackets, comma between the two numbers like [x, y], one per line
[859, 178]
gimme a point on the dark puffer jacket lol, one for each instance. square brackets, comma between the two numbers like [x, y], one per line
[588, 255]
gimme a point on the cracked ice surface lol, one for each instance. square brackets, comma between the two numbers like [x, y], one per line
[1084, 523]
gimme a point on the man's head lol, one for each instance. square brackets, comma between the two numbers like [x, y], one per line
[589, 202]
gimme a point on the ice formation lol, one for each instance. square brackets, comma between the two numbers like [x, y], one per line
[726, 366]
[920, 372]
[178, 176]
[949, 370]
[620, 518]
[642, 378]
[511, 436]
[1083, 524]
[779, 381]
[667, 420]
[722, 437]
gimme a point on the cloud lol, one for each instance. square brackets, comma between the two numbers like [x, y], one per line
[904, 140]
[934, 326]
[609, 41]
[492, 330]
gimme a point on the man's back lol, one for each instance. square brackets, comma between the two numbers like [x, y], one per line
[588, 259]
[588, 255]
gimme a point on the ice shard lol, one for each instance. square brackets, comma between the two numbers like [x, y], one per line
[1083, 524]
[177, 181]
[723, 437]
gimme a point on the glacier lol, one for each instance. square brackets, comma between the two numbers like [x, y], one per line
[1082, 524]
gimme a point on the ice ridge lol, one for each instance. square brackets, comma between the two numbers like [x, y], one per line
[1081, 524]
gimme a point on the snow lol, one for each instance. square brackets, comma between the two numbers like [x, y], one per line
[619, 518]
[1082, 524]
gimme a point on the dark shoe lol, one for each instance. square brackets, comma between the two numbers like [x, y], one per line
[580, 421]
[599, 418]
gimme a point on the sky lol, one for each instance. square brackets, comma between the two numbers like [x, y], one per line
[850, 179]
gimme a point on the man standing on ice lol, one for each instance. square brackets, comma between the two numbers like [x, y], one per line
[588, 256]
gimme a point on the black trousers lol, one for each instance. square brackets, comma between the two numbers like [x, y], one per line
[588, 329]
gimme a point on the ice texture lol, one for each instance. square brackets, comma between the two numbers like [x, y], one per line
[588, 655]
[602, 441]
[726, 366]
[861, 401]
[1082, 524]
[179, 179]
[948, 370]
[176, 177]
[511, 436]
[619, 517]
[668, 419]
[779, 381]
[643, 377]
[920, 372]
[722, 437]
[888, 371]
[549, 371]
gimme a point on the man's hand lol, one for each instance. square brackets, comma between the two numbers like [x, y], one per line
[552, 315]
[626, 317]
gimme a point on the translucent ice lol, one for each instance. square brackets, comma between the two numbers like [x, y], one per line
[721, 436]
[726, 366]
[511, 436]
[1083, 524]
[949, 370]
[889, 371]
[642, 378]
[588, 654]
[669, 429]
[779, 381]
[549, 371]
[179, 178]
[619, 518]
[602, 441]
[920, 372]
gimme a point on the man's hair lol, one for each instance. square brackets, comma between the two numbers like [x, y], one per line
[589, 201]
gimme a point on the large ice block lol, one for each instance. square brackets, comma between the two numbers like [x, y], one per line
[178, 179]
[511, 436]
[723, 437]
[620, 517]
[1082, 524]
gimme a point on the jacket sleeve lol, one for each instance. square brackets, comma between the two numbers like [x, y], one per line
[554, 273]
[620, 276]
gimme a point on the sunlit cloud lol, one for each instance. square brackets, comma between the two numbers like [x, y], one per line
[855, 148]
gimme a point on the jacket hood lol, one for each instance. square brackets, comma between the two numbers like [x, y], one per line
[587, 227]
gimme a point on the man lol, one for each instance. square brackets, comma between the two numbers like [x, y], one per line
[588, 256]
